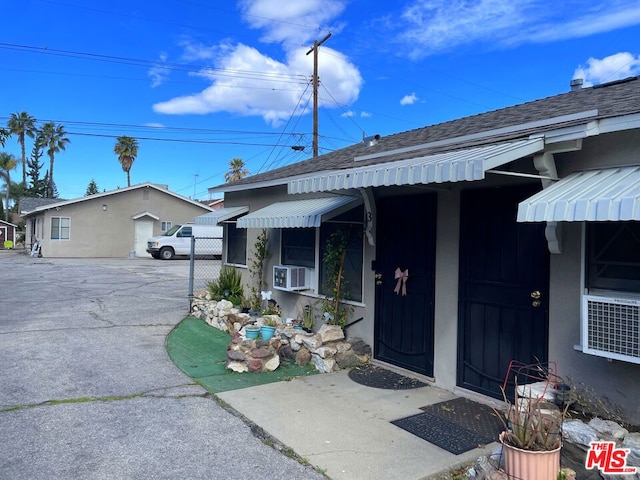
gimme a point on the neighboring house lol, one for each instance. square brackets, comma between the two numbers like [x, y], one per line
[7, 234]
[515, 233]
[109, 224]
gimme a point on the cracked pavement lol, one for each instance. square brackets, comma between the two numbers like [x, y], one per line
[87, 389]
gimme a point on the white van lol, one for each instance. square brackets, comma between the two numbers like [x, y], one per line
[177, 241]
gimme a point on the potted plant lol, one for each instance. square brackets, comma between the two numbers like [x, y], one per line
[251, 331]
[268, 328]
[307, 316]
[532, 436]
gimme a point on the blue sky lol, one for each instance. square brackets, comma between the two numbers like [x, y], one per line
[199, 82]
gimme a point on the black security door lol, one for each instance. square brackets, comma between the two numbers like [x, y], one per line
[504, 271]
[405, 265]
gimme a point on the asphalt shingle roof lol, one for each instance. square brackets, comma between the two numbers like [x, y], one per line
[611, 99]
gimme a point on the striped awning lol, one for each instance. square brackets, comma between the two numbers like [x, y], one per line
[454, 166]
[611, 194]
[307, 213]
[220, 215]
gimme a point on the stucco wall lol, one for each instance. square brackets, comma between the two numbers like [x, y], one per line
[110, 233]
[613, 380]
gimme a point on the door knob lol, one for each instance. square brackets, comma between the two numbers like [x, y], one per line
[536, 294]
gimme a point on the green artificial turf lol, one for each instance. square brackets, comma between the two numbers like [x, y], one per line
[199, 350]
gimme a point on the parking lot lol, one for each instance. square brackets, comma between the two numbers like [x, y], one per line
[87, 389]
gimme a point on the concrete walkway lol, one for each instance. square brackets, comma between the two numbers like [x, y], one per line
[344, 428]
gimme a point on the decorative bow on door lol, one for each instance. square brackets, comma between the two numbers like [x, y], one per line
[401, 276]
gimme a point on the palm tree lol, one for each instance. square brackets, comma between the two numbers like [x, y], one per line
[237, 170]
[127, 150]
[4, 134]
[7, 163]
[54, 138]
[22, 124]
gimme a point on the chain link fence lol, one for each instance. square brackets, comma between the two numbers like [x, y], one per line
[203, 265]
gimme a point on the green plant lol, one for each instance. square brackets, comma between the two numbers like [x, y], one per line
[335, 311]
[307, 316]
[227, 286]
[270, 322]
[531, 423]
[259, 256]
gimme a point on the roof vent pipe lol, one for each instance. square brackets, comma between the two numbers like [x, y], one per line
[371, 140]
[576, 84]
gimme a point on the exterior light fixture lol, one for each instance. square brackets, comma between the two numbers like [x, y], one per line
[104, 207]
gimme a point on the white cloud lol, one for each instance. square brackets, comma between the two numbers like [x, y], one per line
[365, 114]
[154, 125]
[430, 27]
[613, 67]
[295, 22]
[159, 72]
[409, 99]
[348, 113]
[247, 82]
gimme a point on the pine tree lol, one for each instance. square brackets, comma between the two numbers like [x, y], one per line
[37, 186]
[92, 188]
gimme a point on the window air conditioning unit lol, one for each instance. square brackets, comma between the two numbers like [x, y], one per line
[611, 327]
[290, 278]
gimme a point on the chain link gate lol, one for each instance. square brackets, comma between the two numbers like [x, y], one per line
[203, 268]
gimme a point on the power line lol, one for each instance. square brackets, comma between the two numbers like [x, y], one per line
[244, 74]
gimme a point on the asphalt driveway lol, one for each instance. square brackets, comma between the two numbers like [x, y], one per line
[87, 389]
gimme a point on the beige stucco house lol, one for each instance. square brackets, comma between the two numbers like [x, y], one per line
[512, 235]
[117, 223]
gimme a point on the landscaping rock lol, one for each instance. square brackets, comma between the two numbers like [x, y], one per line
[330, 333]
[303, 357]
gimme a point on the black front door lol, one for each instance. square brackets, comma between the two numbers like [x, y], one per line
[503, 299]
[405, 246]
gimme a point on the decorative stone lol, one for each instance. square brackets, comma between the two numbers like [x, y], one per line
[238, 367]
[236, 355]
[323, 365]
[295, 346]
[342, 347]
[271, 364]
[348, 359]
[360, 347]
[325, 352]
[255, 365]
[314, 342]
[286, 352]
[303, 357]
[330, 333]
[574, 431]
[261, 353]
[225, 305]
[608, 429]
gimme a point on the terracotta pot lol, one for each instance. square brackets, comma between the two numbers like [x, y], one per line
[530, 464]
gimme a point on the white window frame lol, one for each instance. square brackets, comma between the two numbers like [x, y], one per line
[166, 224]
[60, 228]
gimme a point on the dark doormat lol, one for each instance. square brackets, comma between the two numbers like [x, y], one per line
[473, 416]
[376, 377]
[457, 425]
[441, 432]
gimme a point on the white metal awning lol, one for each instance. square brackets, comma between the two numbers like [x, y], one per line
[611, 194]
[307, 213]
[455, 166]
[220, 215]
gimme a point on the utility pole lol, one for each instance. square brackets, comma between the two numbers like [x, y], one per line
[316, 81]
